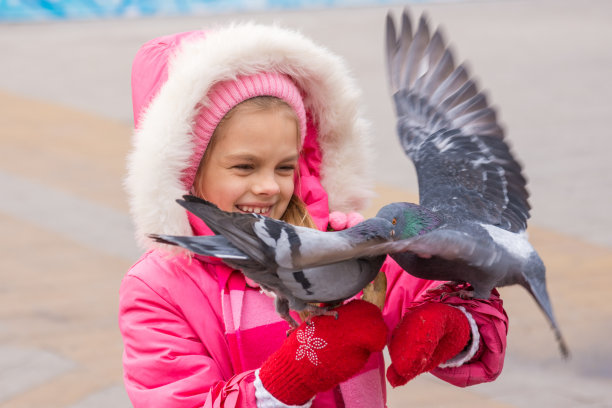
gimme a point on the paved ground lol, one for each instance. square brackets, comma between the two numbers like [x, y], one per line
[64, 131]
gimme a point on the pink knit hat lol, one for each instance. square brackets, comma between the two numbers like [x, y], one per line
[225, 95]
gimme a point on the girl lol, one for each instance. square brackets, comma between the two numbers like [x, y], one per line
[260, 119]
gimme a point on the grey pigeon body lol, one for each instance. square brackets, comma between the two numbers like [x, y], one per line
[466, 174]
[300, 265]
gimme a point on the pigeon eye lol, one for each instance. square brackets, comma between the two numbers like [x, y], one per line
[394, 221]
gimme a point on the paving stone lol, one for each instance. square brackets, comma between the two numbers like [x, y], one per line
[27, 368]
[114, 396]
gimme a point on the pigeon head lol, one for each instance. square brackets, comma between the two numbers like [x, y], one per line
[409, 220]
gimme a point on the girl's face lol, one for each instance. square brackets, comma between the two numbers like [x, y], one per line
[250, 166]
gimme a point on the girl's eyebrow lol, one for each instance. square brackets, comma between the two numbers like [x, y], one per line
[252, 158]
[241, 156]
[293, 157]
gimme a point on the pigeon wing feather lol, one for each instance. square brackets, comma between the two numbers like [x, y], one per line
[212, 245]
[451, 134]
[235, 227]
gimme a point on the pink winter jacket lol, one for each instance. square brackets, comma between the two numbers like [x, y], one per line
[194, 333]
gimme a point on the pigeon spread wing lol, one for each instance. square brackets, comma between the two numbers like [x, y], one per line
[478, 251]
[450, 132]
[274, 242]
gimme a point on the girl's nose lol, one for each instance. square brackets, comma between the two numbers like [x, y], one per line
[266, 185]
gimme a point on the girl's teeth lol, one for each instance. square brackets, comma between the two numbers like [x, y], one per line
[258, 210]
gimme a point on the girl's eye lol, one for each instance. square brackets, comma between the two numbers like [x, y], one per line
[243, 166]
[287, 168]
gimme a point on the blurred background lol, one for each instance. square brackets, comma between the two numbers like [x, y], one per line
[65, 129]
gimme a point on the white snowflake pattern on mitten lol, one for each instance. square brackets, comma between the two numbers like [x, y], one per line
[309, 344]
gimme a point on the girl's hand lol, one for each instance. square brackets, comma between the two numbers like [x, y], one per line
[427, 336]
[320, 354]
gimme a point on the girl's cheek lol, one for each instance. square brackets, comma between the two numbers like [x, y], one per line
[289, 182]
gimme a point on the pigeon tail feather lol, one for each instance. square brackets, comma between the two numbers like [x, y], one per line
[537, 289]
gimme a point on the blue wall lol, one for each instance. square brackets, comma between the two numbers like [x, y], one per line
[32, 10]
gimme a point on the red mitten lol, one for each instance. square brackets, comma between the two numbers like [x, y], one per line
[427, 336]
[319, 355]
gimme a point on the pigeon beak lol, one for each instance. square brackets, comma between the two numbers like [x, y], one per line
[392, 233]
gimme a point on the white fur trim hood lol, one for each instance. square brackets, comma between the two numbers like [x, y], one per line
[162, 143]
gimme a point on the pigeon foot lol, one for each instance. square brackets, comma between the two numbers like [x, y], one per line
[292, 323]
[447, 289]
[317, 309]
[463, 294]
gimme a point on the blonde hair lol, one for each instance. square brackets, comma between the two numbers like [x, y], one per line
[296, 212]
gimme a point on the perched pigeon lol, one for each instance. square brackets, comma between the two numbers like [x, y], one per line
[302, 266]
[466, 174]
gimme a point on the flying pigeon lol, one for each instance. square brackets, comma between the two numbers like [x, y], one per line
[302, 266]
[466, 173]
